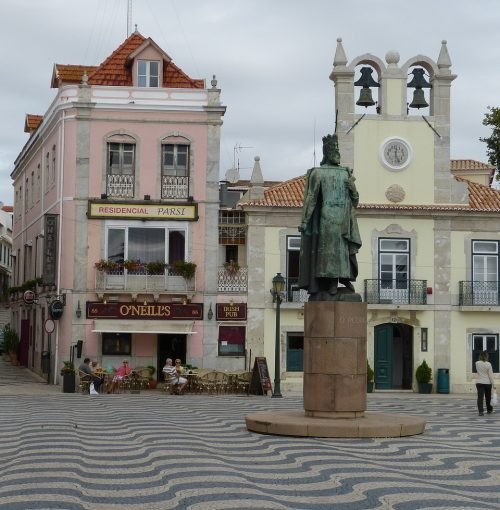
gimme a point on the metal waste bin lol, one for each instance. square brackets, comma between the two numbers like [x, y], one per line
[45, 362]
[443, 380]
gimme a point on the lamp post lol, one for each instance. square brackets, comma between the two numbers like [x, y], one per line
[277, 292]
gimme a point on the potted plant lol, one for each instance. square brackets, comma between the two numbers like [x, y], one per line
[132, 265]
[423, 375]
[370, 377]
[11, 343]
[185, 268]
[106, 265]
[156, 267]
[68, 375]
[152, 382]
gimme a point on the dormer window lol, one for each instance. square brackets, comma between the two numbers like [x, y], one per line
[148, 73]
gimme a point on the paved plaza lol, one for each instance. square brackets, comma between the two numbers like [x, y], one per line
[156, 452]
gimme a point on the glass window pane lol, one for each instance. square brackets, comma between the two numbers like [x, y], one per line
[485, 247]
[116, 244]
[393, 244]
[477, 343]
[176, 245]
[232, 340]
[294, 243]
[146, 244]
[491, 343]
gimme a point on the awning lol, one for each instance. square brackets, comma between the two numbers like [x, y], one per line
[142, 326]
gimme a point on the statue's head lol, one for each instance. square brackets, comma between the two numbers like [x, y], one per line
[331, 154]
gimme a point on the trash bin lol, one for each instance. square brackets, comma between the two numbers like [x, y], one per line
[443, 380]
[45, 362]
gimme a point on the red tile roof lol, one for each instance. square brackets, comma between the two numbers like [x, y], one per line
[116, 70]
[469, 164]
[291, 194]
[32, 122]
[66, 73]
[8, 208]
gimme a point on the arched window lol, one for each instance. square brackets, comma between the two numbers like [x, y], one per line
[120, 171]
[175, 154]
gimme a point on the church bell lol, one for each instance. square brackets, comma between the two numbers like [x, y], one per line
[366, 81]
[418, 99]
[419, 83]
[365, 98]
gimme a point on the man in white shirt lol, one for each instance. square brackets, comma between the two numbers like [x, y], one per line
[172, 377]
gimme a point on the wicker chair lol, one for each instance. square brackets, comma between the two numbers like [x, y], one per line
[85, 380]
[243, 382]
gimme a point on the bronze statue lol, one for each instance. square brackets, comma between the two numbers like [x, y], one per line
[329, 230]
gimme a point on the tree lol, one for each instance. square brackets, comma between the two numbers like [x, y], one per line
[492, 119]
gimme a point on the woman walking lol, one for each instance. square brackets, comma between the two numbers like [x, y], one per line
[484, 383]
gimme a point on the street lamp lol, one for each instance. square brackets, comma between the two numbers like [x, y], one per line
[277, 292]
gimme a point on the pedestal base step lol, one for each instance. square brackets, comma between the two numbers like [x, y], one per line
[296, 423]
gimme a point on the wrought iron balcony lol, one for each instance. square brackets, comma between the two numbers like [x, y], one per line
[138, 281]
[232, 281]
[293, 294]
[120, 186]
[174, 186]
[478, 293]
[397, 292]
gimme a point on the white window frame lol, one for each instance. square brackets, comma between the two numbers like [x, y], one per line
[146, 77]
[398, 288]
[166, 226]
[484, 337]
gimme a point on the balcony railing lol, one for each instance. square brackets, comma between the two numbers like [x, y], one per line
[232, 281]
[478, 293]
[120, 186]
[396, 292]
[174, 186]
[139, 281]
[293, 294]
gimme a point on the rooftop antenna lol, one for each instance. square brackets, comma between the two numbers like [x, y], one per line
[238, 148]
[129, 18]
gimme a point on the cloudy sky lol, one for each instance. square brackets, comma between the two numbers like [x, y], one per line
[272, 59]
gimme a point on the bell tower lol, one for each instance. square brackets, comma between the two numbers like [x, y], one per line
[398, 142]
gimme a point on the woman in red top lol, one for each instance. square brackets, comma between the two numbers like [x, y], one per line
[122, 371]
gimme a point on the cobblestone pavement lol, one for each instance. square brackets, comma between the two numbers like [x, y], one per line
[157, 452]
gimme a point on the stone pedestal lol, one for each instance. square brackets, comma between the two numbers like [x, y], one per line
[334, 382]
[334, 359]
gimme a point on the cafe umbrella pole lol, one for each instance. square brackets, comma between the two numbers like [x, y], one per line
[277, 292]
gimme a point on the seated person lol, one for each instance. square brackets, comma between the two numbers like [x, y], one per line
[178, 367]
[85, 367]
[121, 372]
[172, 377]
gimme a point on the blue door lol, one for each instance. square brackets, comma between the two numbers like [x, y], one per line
[295, 352]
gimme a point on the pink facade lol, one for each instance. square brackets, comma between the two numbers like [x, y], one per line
[123, 166]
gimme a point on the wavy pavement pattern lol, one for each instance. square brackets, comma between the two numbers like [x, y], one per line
[149, 452]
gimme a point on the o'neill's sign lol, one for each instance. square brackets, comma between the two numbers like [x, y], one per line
[143, 211]
[150, 311]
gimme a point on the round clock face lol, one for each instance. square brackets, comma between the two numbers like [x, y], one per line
[396, 153]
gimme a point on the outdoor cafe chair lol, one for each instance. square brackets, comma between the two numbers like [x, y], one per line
[85, 380]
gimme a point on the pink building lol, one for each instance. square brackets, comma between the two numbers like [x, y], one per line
[116, 200]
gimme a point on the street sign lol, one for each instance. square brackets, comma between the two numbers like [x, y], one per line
[56, 309]
[29, 297]
[50, 325]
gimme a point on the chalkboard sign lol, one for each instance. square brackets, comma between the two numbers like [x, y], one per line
[261, 382]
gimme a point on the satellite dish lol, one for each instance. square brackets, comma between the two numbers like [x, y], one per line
[232, 175]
